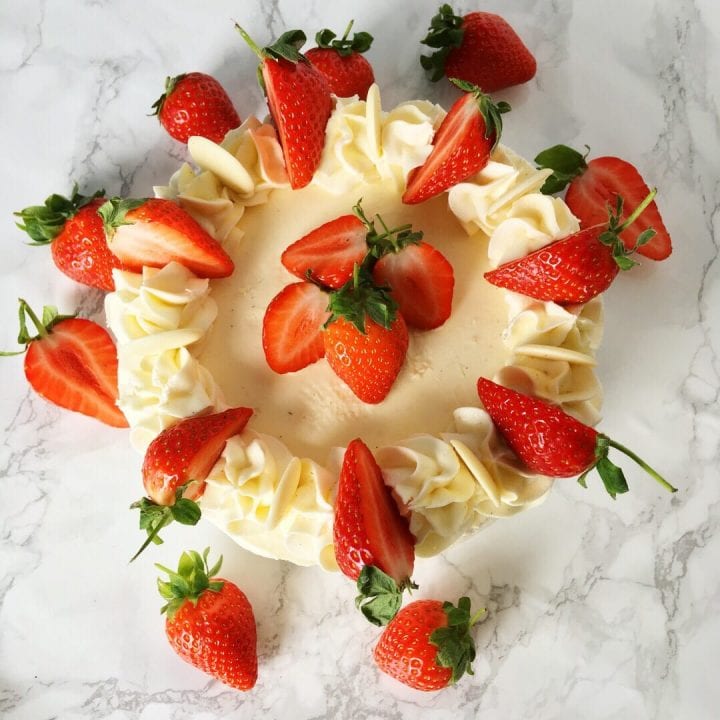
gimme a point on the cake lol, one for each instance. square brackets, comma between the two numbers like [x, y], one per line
[187, 345]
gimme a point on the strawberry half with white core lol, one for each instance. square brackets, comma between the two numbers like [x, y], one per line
[299, 100]
[596, 185]
[373, 543]
[550, 442]
[153, 232]
[71, 362]
[577, 268]
[461, 147]
[176, 464]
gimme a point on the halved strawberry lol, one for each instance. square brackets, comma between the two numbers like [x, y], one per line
[292, 327]
[328, 252]
[153, 232]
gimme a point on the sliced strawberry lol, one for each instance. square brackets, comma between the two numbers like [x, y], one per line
[328, 252]
[154, 232]
[292, 327]
[421, 281]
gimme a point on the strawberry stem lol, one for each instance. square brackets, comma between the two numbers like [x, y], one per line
[638, 210]
[250, 42]
[25, 308]
[649, 470]
[347, 31]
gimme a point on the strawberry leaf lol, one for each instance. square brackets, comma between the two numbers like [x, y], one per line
[445, 32]
[566, 164]
[360, 42]
[491, 111]
[186, 512]
[612, 477]
[456, 647]
[287, 46]
[380, 596]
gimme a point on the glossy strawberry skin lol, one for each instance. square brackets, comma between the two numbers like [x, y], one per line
[346, 75]
[218, 636]
[549, 441]
[368, 527]
[405, 652]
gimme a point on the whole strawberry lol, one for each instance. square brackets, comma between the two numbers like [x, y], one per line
[195, 104]
[551, 442]
[74, 231]
[341, 62]
[428, 645]
[480, 48]
[210, 622]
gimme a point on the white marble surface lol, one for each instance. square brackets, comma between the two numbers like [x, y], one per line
[598, 609]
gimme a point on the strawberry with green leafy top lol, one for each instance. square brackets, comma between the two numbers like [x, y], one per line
[551, 442]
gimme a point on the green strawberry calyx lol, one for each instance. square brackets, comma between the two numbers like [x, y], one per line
[566, 164]
[491, 111]
[388, 240]
[360, 43]
[379, 597]
[43, 325]
[170, 84]
[192, 578]
[114, 212]
[445, 33]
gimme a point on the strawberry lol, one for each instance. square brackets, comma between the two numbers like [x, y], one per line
[551, 442]
[480, 48]
[596, 185]
[341, 62]
[209, 621]
[299, 100]
[461, 147]
[365, 338]
[428, 644]
[195, 104]
[75, 232]
[373, 543]
[292, 327]
[153, 232]
[176, 464]
[577, 268]
[72, 363]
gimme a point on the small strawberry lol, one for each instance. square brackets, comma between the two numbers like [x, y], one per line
[176, 464]
[576, 268]
[210, 622]
[551, 442]
[153, 232]
[461, 147]
[292, 333]
[195, 104]
[365, 338]
[299, 100]
[596, 185]
[75, 233]
[341, 62]
[480, 48]
[72, 363]
[373, 544]
[428, 644]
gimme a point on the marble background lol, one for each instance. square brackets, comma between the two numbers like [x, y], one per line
[597, 609]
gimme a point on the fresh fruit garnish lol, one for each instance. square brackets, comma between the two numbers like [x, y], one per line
[373, 543]
[71, 362]
[341, 62]
[292, 333]
[480, 48]
[210, 622]
[74, 231]
[596, 185]
[576, 268]
[176, 464]
[153, 232]
[195, 104]
[428, 644]
[299, 100]
[461, 147]
[551, 442]
[365, 338]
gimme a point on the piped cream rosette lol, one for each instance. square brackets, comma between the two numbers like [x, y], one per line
[279, 505]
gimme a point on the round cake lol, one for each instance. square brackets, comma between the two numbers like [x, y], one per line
[187, 345]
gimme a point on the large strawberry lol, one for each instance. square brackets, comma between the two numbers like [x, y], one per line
[480, 48]
[551, 442]
[597, 184]
[373, 544]
[153, 232]
[176, 464]
[299, 100]
[577, 268]
[461, 146]
[72, 363]
[75, 233]
[341, 62]
[209, 621]
[195, 104]
[428, 644]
